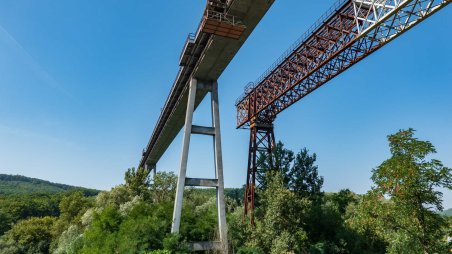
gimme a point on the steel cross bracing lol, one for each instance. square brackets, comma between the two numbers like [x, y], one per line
[347, 35]
[262, 140]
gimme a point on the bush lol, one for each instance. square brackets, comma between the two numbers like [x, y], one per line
[29, 236]
[250, 250]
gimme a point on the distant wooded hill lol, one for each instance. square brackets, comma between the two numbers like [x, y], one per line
[17, 184]
[447, 212]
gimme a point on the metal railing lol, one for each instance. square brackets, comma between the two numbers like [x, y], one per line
[172, 99]
[223, 17]
[190, 39]
[312, 29]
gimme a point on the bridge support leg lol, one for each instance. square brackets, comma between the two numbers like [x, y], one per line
[262, 139]
[184, 157]
[221, 207]
[151, 167]
[218, 182]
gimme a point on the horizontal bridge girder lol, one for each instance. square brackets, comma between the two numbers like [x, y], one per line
[195, 129]
[199, 246]
[201, 182]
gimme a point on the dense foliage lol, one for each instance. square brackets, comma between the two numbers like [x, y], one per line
[400, 214]
[402, 206]
[23, 197]
[294, 215]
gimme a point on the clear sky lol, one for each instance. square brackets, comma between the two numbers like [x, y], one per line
[82, 84]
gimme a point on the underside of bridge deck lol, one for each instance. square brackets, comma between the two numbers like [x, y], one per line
[210, 55]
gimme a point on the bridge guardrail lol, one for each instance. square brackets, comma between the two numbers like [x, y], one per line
[302, 39]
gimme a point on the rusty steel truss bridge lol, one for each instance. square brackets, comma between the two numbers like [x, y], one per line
[348, 32]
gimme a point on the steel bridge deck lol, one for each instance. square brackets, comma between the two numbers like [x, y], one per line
[349, 32]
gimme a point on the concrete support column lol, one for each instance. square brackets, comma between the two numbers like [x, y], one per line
[218, 182]
[152, 167]
[219, 168]
[184, 157]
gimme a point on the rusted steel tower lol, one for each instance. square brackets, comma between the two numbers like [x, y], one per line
[348, 32]
[262, 139]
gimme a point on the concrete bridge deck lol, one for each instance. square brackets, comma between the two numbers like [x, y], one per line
[204, 57]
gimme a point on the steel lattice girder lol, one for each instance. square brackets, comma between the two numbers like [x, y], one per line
[354, 31]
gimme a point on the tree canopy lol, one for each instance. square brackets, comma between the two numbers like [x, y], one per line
[399, 214]
[402, 206]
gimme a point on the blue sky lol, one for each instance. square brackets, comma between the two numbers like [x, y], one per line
[82, 84]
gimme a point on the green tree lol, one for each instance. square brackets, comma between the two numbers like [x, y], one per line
[5, 222]
[250, 250]
[144, 228]
[364, 222]
[70, 241]
[408, 218]
[326, 229]
[280, 229]
[175, 244]
[163, 187]
[101, 237]
[138, 181]
[116, 196]
[24, 206]
[199, 216]
[304, 176]
[299, 172]
[72, 207]
[343, 199]
[134, 225]
[28, 236]
[281, 160]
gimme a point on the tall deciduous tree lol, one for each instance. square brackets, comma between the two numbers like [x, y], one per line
[163, 187]
[72, 207]
[304, 176]
[280, 229]
[299, 172]
[281, 160]
[407, 219]
[138, 181]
